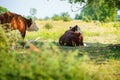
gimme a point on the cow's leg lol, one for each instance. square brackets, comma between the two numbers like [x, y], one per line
[23, 36]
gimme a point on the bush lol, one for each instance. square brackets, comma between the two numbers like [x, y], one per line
[117, 24]
[66, 18]
[4, 41]
[86, 18]
[78, 17]
[48, 26]
[9, 39]
[56, 17]
[3, 9]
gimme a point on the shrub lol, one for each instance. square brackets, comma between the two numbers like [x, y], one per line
[48, 26]
[117, 24]
[4, 41]
[78, 17]
[87, 18]
[66, 18]
[3, 9]
[56, 17]
[9, 39]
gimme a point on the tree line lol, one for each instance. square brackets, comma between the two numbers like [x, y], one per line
[101, 10]
[64, 16]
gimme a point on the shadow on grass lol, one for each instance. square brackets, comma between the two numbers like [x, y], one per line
[96, 51]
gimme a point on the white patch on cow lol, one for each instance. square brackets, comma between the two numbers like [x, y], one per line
[33, 27]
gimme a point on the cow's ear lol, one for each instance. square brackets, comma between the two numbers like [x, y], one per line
[76, 26]
[70, 27]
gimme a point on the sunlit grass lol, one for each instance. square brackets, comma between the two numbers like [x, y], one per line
[92, 32]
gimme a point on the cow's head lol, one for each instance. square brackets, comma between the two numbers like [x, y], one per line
[76, 28]
[32, 25]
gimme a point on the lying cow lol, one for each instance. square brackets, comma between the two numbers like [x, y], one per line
[17, 22]
[72, 37]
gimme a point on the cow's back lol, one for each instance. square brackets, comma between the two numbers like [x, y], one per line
[71, 38]
[6, 17]
[16, 21]
[77, 39]
[65, 38]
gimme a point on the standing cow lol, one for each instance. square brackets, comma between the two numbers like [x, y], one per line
[17, 22]
[72, 37]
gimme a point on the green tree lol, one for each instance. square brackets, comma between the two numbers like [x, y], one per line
[78, 16]
[99, 11]
[33, 12]
[65, 16]
[56, 17]
[103, 10]
[2, 9]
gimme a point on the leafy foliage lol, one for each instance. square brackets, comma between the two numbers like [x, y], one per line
[9, 39]
[102, 10]
[65, 16]
[4, 41]
[33, 12]
[117, 24]
[102, 13]
[56, 17]
[57, 63]
[2, 9]
[111, 3]
[78, 17]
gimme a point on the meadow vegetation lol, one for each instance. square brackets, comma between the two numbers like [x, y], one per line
[100, 60]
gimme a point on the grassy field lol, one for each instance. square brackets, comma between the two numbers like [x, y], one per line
[97, 36]
[93, 32]
[100, 60]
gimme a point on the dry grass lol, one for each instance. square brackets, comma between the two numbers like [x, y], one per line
[93, 31]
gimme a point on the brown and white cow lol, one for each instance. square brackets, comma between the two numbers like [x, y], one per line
[17, 22]
[72, 37]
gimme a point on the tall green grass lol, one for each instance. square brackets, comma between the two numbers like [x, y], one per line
[55, 63]
[97, 61]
